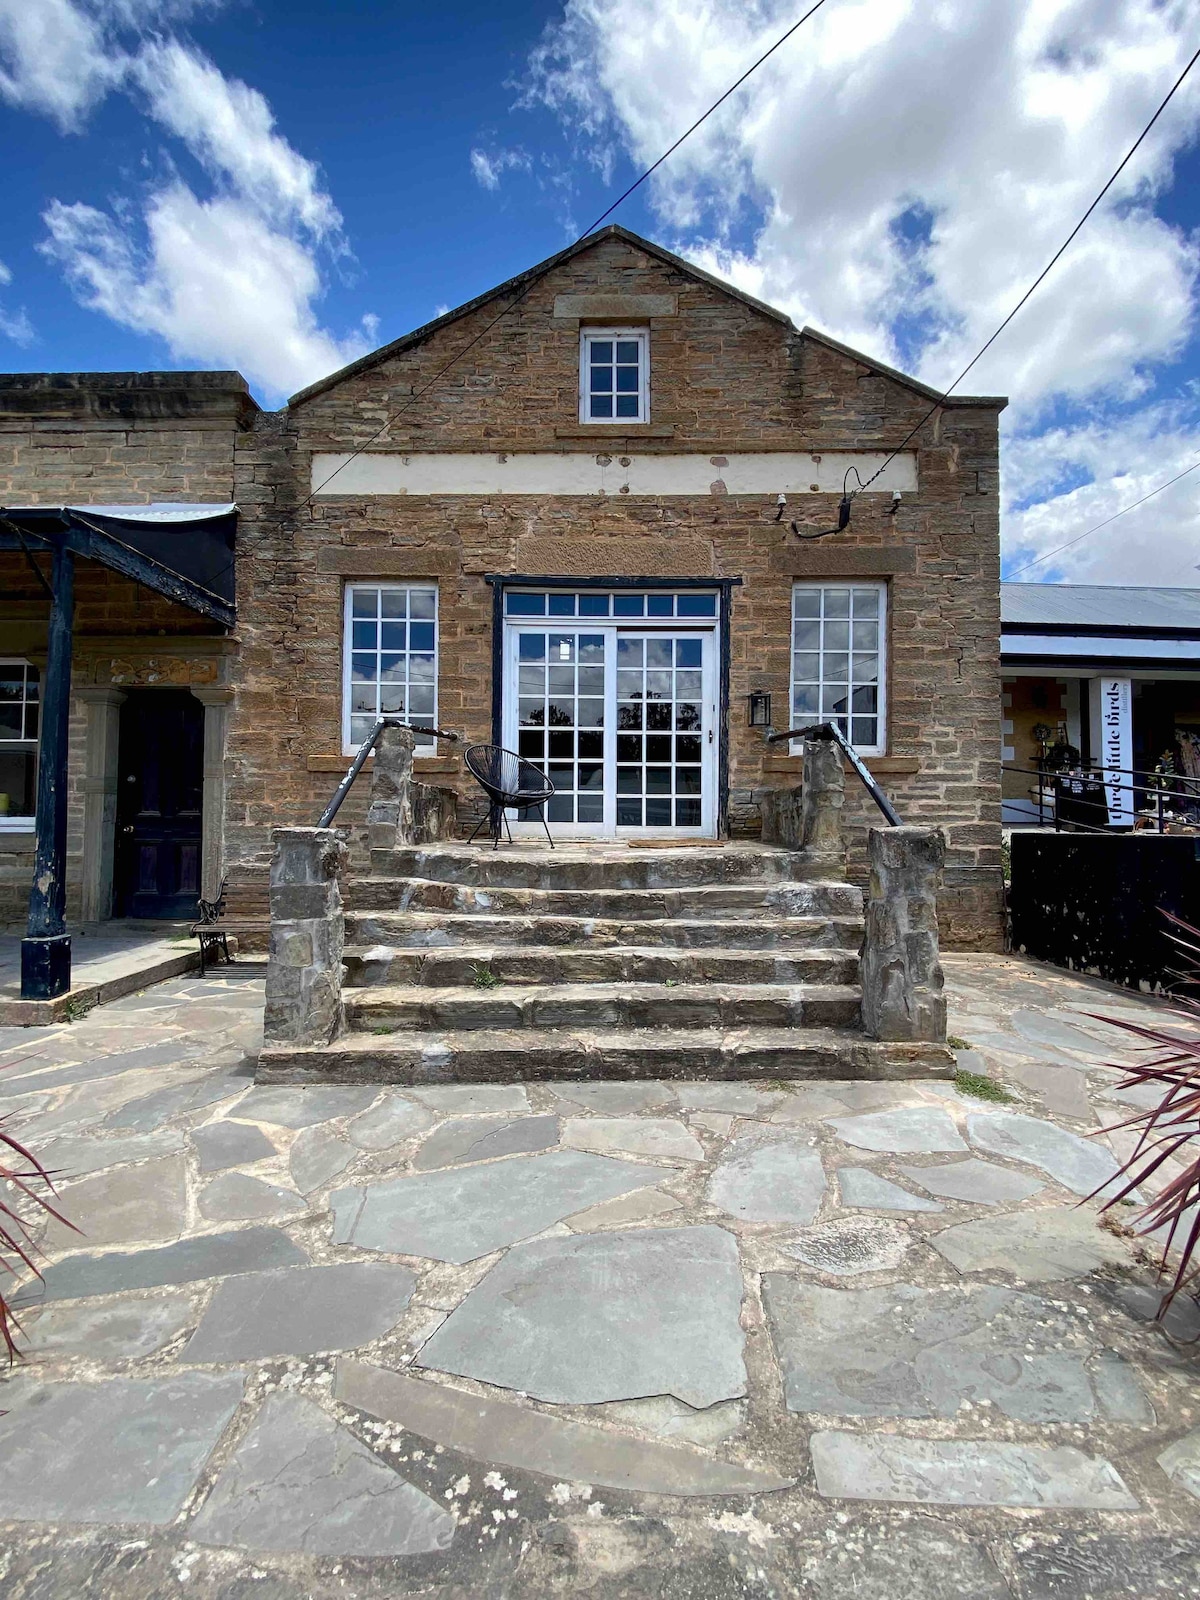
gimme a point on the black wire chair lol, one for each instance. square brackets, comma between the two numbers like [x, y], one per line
[511, 784]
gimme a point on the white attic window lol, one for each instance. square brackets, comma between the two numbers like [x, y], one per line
[614, 375]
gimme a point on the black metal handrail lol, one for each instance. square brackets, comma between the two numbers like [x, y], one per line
[1164, 787]
[831, 731]
[364, 750]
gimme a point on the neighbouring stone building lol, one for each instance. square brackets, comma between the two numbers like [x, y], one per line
[570, 543]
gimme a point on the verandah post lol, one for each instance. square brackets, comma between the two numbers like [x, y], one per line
[46, 949]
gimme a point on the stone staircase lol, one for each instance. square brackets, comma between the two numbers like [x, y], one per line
[599, 961]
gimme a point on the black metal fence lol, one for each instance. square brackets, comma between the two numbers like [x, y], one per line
[1094, 902]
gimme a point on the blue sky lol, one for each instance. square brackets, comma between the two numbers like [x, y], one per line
[279, 187]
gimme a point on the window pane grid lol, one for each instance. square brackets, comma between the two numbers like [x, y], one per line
[597, 603]
[837, 646]
[391, 658]
[18, 701]
[560, 705]
[614, 376]
[659, 732]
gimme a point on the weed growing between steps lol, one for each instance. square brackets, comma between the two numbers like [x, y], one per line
[974, 1083]
[485, 978]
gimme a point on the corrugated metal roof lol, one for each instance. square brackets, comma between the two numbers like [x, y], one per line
[1033, 605]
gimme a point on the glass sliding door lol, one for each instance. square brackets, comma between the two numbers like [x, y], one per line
[561, 690]
[664, 735]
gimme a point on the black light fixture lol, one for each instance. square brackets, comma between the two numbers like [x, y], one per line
[758, 709]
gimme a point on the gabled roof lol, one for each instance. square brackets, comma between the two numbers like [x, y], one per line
[525, 280]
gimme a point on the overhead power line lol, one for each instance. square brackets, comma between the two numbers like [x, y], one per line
[1041, 277]
[1079, 538]
[591, 228]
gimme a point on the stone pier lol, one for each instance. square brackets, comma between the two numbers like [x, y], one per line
[304, 968]
[901, 972]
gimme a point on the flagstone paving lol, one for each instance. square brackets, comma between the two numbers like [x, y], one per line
[718, 1341]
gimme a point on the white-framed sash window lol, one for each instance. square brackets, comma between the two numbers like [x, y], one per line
[389, 659]
[614, 375]
[20, 694]
[839, 645]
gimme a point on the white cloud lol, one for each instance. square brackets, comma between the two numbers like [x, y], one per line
[903, 172]
[995, 123]
[214, 280]
[490, 168]
[1062, 483]
[53, 59]
[233, 278]
[14, 325]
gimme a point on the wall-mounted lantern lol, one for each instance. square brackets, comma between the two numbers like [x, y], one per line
[758, 709]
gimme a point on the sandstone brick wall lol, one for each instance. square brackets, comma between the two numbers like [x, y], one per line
[725, 378]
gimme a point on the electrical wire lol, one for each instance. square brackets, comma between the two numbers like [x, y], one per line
[591, 228]
[1079, 538]
[1045, 272]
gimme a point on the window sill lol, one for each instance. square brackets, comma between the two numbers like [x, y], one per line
[616, 430]
[17, 825]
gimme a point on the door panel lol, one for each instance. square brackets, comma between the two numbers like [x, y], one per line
[160, 786]
[622, 720]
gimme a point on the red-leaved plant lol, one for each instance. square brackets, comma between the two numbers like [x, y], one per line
[1171, 1127]
[21, 1171]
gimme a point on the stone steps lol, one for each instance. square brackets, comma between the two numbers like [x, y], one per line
[599, 1007]
[820, 898]
[373, 965]
[416, 930]
[501, 1056]
[595, 867]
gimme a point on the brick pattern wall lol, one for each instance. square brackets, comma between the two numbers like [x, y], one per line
[725, 377]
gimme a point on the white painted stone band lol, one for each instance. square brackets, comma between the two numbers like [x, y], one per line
[603, 472]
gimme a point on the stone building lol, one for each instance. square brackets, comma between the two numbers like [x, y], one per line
[570, 542]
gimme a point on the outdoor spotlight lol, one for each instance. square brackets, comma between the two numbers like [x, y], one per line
[895, 505]
[781, 502]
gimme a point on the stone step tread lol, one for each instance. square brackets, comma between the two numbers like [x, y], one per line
[598, 867]
[427, 966]
[448, 930]
[511, 1056]
[544, 1008]
[822, 895]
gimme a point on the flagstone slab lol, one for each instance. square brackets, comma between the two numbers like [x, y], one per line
[866, 1190]
[503, 1433]
[741, 1099]
[604, 1316]
[230, 1144]
[1102, 1566]
[640, 1206]
[301, 1310]
[152, 1110]
[237, 1197]
[909, 1130]
[317, 1155]
[484, 1138]
[76, 1157]
[905, 1351]
[850, 1245]
[962, 1472]
[211, 1255]
[1080, 1165]
[459, 1214]
[303, 1105]
[618, 1099]
[467, 1099]
[301, 1482]
[139, 1204]
[634, 1136]
[390, 1122]
[129, 1450]
[780, 1181]
[1037, 1246]
[113, 1330]
[898, 1562]
[1181, 1462]
[980, 1182]
[1048, 1030]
